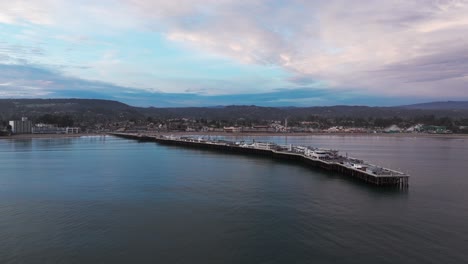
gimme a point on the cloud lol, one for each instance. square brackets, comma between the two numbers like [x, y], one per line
[372, 46]
[26, 81]
[33, 81]
[390, 48]
[23, 11]
[20, 51]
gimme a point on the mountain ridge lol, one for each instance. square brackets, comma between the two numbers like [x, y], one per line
[100, 110]
[456, 105]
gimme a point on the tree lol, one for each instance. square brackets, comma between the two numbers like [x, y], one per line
[61, 121]
[445, 121]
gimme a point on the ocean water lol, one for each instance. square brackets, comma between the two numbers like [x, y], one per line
[109, 200]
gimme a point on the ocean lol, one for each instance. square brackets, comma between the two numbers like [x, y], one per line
[103, 199]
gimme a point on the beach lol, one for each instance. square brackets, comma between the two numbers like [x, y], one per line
[303, 134]
[260, 134]
[29, 136]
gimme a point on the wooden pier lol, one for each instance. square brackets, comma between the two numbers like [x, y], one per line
[393, 179]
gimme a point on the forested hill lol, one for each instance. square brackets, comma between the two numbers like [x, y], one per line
[95, 110]
[277, 113]
[439, 105]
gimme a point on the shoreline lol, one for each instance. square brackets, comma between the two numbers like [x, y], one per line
[260, 134]
[303, 134]
[45, 136]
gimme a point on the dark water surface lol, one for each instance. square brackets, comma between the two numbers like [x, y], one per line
[110, 200]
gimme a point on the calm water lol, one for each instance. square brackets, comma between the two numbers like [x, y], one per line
[110, 200]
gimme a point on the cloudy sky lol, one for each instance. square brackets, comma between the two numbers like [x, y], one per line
[219, 52]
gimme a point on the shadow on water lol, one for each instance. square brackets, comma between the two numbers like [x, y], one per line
[322, 173]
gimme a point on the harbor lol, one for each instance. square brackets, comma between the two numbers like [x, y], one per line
[326, 159]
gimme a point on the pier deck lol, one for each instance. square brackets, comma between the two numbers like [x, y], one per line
[378, 177]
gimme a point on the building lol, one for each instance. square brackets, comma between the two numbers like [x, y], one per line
[392, 129]
[258, 129]
[436, 129]
[46, 129]
[23, 126]
[232, 129]
[261, 145]
[54, 129]
[72, 130]
[321, 153]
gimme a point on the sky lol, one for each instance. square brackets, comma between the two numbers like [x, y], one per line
[223, 52]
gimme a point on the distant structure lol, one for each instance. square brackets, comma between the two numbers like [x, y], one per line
[232, 129]
[392, 129]
[45, 129]
[72, 130]
[54, 129]
[23, 126]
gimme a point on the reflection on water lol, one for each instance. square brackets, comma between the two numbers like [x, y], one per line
[103, 199]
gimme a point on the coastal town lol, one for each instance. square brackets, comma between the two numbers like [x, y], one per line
[27, 126]
[70, 116]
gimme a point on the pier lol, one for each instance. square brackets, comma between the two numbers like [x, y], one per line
[319, 158]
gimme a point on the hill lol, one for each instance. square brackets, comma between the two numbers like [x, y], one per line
[86, 111]
[454, 105]
[274, 113]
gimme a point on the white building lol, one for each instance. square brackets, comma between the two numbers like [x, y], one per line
[392, 129]
[23, 126]
[46, 129]
[261, 145]
[232, 129]
[54, 129]
[321, 153]
[72, 130]
[415, 128]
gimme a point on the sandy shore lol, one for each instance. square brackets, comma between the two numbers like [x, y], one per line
[313, 134]
[30, 136]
